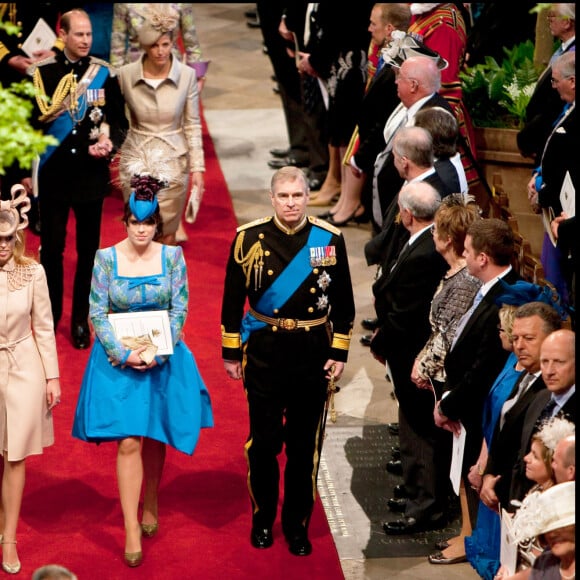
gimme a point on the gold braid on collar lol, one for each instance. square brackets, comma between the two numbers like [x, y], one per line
[252, 261]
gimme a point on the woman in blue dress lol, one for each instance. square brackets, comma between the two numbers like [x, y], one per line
[129, 395]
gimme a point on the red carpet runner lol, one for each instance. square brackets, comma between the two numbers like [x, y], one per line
[71, 513]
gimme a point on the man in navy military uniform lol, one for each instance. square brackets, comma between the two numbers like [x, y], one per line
[293, 270]
[85, 112]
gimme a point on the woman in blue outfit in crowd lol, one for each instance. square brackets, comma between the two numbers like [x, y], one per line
[128, 394]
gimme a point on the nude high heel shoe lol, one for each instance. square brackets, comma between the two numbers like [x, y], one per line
[10, 568]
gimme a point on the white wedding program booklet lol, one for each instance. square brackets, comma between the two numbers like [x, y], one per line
[152, 323]
[42, 37]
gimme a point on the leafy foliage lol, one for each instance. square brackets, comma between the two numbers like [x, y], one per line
[18, 140]
[496, 95]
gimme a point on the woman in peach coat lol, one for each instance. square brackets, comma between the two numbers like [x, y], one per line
[29, 376]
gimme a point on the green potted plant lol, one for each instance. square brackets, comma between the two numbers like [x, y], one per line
[496, 95]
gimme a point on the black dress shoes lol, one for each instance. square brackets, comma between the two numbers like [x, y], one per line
[280, 153]
[366, 339]
[439, 558]
[411, 526]
[369, 323]
[280, 162]
[261, 538]
[81, 336]
[397, 504]
[399, 492]
[395, 467]
[299, 544]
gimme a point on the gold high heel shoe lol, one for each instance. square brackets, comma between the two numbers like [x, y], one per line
[10, 568]
[149, 530]
[133, 559]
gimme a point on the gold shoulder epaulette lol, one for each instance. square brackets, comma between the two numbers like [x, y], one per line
[113, 72]
[96, 60]
[32, 68]
[324, 225]
[257, 222]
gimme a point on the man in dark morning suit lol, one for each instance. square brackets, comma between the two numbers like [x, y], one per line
[558, 158]
[417, 82]
[476, 355]
[418, 78]
[558, 367]
[545, 104]
[403, 297]
[85, 112]
[413, 158]
[293, 271]
[533, 322]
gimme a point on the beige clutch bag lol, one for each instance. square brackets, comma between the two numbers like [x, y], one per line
[135, 342]
[192, 206]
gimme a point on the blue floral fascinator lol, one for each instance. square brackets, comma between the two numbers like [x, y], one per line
[523, 292]
[143, 200]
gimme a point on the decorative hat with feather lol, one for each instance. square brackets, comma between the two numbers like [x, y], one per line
[403, 46]
[13, 211]
[148, 176]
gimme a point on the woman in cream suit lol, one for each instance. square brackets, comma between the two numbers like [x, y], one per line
[162, 99]
[29, 376]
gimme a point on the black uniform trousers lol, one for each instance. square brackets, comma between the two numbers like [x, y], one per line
[286, 391]
[55, 214]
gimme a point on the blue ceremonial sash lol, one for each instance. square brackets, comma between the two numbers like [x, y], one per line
[286, 284]
[63, 125]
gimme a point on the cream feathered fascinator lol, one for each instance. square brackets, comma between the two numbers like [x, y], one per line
[554, 430]
[544, 511]
[403, 46]
[160, 19]
[13, 211]
[148, 174]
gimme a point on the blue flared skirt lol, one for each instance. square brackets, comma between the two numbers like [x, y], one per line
[168, 403]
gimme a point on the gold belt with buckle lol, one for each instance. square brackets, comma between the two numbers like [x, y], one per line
[287, 323]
